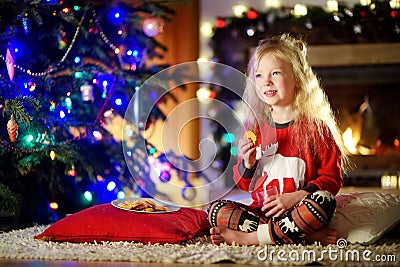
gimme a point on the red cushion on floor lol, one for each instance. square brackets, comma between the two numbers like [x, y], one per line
[107, 223]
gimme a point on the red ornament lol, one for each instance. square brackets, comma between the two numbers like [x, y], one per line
[394, 14]
[252, 14]
[220, 23]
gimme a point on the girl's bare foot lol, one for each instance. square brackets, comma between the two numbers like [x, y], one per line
[221, 235]
[326, 235]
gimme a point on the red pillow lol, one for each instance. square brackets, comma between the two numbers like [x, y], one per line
[107, 223]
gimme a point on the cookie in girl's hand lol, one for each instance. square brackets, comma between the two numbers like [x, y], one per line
[251, 135]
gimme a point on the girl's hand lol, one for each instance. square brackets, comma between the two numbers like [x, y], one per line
[279, 204]
[247, 151]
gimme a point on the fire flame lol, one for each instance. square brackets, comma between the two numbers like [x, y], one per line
[351, 140]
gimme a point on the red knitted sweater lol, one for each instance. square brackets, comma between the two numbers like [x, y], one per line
[291, 164]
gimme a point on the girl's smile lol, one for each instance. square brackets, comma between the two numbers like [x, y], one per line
[270, 93]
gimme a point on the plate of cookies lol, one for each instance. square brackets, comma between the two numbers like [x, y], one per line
[144, 205]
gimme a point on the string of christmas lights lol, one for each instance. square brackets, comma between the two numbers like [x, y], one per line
[106, 40]
[67, 52]
[74, 38]
[75, 138]
[106, 93]
[49, 68]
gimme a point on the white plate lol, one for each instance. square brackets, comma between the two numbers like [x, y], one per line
[171, 207]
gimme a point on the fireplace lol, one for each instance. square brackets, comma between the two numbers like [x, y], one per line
[363, 85]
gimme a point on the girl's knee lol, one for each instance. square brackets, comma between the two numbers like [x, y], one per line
[313, 212]
[321, 202]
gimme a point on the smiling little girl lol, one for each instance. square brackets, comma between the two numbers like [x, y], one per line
[298, 150]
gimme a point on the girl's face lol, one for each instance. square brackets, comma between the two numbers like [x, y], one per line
[275, 81]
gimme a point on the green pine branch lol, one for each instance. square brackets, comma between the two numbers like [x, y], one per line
[19, 108]
[9, 201]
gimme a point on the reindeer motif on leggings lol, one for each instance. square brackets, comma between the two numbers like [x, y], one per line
[279, 167]
[287, 225]
[248, 226]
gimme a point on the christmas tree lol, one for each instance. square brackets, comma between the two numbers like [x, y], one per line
[68, 70]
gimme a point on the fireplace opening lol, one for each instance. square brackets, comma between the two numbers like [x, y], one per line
[367, 101]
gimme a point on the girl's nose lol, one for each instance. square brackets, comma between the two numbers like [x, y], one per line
[267, 82]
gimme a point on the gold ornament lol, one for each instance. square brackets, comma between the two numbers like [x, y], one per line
[12, 128]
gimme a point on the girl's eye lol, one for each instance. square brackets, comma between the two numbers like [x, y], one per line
[275, 72]
[258, 75]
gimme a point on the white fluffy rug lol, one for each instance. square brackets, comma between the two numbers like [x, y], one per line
[19, 244]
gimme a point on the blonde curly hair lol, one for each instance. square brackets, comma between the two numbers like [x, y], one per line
[311, 106]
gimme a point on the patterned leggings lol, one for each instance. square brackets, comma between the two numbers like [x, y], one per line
[311, 214]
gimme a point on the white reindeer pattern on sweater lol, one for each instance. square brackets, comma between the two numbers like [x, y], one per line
[276, 166]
